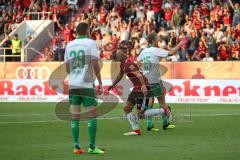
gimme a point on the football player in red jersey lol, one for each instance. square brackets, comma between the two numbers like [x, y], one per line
[139, 95]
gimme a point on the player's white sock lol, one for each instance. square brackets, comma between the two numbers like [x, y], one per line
[153, 112]
[133, 120]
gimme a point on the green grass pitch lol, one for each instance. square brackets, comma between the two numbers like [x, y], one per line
[30, 131]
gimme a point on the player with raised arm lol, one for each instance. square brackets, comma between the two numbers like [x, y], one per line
[81, 58]
[151, 57]
[139, 95]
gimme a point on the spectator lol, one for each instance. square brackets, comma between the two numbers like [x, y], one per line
[194, 40]
[73, 4]
[184, 46]
[125, 31]
[48, 54]
[58, 54]
[235, 51]
[35, 7]
[223, 51]
[54, 2]
[139, 13]
[202, 50]
[162, 43]
[150, 13]
[67, 33]
[168, 15]
[236, 16]
[158, 13]
[218, 35]
[133, 55]
[16, 48]
[207, 58]
[7, 44]
[173, 58]
[211, 22]
[208, 29]
[63, 12]
[172, 40]
[212, 47]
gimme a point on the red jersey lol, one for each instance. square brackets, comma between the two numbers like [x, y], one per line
[196, 14]
[63, 9]
[237, 32]
[26, 3]
[129, 67]
[120, 10]
[218, 23]
[103, 16]
[235, 50]
[185, 43]
[227, 20]
[198, 24]
[67, 34]
[204, 9]
[168, 15]
[201, 51]
[17, 3]
[224, 54]
[157, 4]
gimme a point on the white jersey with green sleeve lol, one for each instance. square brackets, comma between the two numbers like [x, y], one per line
[151, 57]
[78, 54]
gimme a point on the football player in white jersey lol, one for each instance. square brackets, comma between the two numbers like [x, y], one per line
[151, 57]
[82, 59]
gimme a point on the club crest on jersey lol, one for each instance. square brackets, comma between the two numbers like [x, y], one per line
[131, 67]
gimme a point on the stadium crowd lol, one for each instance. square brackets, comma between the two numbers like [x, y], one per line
[209, 29]
[13, 12]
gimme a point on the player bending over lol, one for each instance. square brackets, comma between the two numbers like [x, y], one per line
[151, 57]
[139, 95]
[81, 58]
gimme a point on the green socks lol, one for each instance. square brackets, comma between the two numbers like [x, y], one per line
[92, 129]
[165, 120]
[75, 133]
[149, 122]
[149, 119]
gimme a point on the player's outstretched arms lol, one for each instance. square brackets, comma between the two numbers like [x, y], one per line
[119, 77]
[175, 49]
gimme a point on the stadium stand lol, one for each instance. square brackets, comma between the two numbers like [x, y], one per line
[210, 29]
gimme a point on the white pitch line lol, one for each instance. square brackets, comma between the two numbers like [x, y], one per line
[183, 114]
[49, 121]
[24, 122]
[117, 117]
[214, 114]
[20, 115]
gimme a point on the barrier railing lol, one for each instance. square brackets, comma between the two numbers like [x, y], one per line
[23, 54]
[38, 14]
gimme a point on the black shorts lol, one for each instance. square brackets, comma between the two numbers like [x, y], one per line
[139, 99]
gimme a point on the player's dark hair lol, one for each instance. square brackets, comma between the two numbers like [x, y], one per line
[151, 37]
[126, 46]
[82, 28]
